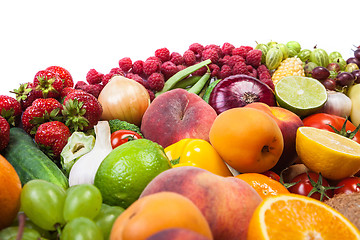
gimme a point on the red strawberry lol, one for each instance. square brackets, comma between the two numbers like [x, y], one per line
[63, 74]
[52, 138]
[49, 83]
[10, 109]
[4, 133]
[82, 111]
[26, 94]
[41, 110]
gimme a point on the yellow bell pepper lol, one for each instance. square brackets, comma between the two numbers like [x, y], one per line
[197, 153]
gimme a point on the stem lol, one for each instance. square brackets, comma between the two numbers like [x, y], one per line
[22, 221]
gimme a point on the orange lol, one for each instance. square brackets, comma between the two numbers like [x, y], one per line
[10, 190]
[263, 185]
[156, 212]
[295, 217]
[247, 139]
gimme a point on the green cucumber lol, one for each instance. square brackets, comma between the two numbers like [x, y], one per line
[29, 161]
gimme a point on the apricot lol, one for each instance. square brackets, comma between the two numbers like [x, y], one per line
[157, 212]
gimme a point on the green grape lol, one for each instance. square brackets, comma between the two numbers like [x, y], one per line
[81, 228]
[106, 218]
[43, 203]
[11, 233]
[82, 200]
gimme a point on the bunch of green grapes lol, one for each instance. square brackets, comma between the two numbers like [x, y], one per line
[52, 212]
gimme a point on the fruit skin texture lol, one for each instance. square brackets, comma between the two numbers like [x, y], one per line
[156, 212]
[226, 202]
[288, 123]
[177, 234]
[63, 74]
[52, 137]
[10, 189]
[4, 133]
[10, 109]
[247, 139]
[175, 115]
[49, 83]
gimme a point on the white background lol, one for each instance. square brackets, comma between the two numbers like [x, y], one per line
[80, 35]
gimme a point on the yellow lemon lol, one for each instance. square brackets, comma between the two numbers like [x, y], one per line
[328, 153]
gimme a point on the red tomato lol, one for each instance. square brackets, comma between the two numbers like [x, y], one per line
[317, 187]
[348, 185]
[323, 120]
[122, 136]
[272, 175]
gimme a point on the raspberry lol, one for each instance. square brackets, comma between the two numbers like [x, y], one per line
[107, 78]
[93, 89]
[156, 81]
[216, 47]
[154, 58]
[242, 51]
[176, 58]
[253, 58]
[94, 77]
[168, 69]
[137, 67]
[211, 54]
[138, 79]
[234, 60]
[200, 71]
[125, 64]
[215, 70]
[225, 71]
[224, 60]
[150, 66]
[180, 67]
[189, 58]
[227, 48]
[197, 49]
[163, 54]
[79, 84]
[151, 94]
[264, 77]
[252, 71]
[117, 71]
[263, 69]
[240, 68]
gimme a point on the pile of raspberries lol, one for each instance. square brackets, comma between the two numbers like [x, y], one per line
[152, 73]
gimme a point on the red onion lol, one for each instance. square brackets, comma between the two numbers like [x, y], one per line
[238, 91]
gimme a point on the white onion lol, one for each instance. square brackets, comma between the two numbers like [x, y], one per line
[337, 104]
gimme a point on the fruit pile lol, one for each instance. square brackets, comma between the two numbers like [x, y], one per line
[270, 129]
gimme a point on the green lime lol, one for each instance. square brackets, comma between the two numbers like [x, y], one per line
[125, 172]
[301, 95]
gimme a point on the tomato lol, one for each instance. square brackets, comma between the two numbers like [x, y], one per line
[348, 185]
[313, 185]
[323, 120]
[122, 136]
[272, 175]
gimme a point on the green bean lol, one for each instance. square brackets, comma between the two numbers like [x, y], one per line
[209, 90]
[200, 84]
[189, 81]
[169, 84]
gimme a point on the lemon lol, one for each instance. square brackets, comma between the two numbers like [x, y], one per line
[328, 153]
[126, 171]
[301, 95]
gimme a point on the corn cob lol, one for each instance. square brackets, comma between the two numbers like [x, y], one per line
[288, 67]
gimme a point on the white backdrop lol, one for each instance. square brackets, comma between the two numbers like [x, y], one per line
[80, 35]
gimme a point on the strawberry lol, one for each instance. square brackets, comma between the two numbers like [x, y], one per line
[4, 133]
[26, 94]
[49, 83]
[63, 74]
[81, 110]
[52, 138]
[10, 109]
[41, 110]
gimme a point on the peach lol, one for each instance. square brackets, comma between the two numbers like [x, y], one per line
[288, 123]
[226, 202]
[175, 115]
[177, 234]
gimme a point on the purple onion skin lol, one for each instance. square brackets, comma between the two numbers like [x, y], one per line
[238, 91]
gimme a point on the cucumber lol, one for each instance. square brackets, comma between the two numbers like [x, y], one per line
[30, 162]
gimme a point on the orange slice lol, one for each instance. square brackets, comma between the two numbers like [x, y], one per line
[295, 217]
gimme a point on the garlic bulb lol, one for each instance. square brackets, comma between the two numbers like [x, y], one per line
[84, 169]
[337, 104]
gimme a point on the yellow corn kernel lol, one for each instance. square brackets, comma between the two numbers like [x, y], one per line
[288, 67]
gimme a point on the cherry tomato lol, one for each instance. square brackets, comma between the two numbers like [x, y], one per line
[122, 136]
[272, 175]
[323, 120]
[348, 185]
[313, 185]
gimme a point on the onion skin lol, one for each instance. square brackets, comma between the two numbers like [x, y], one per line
[124, 99]
[238, 91]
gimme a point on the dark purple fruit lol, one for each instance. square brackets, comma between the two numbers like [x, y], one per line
[357, 54]
[356, 74]
[320, 73]
[333, 67]
[329, 84]
[344, 79]
[353, 60]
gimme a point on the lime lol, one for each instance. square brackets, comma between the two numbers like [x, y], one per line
[301, 95]
[125, 172]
